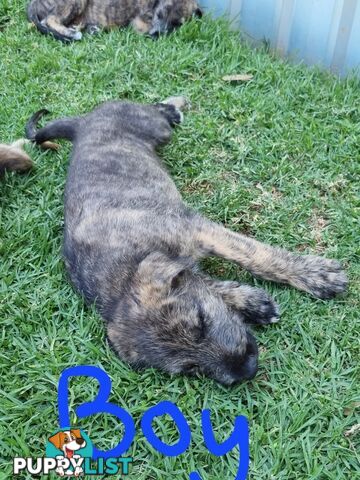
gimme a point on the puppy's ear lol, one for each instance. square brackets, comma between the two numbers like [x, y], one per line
[198, 12]
[57, 440]
[76, 432]
[157, 274]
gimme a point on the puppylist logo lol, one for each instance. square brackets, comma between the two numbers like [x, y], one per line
[69, 451]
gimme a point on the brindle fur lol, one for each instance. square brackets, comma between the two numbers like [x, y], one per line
[66, 18]
[132, 247]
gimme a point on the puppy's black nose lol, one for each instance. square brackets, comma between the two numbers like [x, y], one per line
[79, 441]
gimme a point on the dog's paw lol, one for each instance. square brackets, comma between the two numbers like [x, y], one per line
[321, 277]
[77, 36]
[93, 29]
[74, 33]
[259, 308]
[254, 304]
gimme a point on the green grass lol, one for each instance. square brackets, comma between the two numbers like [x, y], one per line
[277, 158]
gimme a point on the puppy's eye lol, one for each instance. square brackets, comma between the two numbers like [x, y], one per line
[176, 281]
[200, 330]
[66, 440]
[201, 317]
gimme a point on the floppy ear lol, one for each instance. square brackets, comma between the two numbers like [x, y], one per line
[157, 273]
[57, 439]
[76, 432]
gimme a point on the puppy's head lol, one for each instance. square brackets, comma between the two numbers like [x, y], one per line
[174, 322]
[171, 14]
[68, 441]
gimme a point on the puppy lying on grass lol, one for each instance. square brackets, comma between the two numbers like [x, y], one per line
[132, 246]
[65, 19]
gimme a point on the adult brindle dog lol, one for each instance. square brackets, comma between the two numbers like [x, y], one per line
[132, 247]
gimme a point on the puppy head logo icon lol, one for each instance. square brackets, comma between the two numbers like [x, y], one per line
[68, 442]
[69, 447]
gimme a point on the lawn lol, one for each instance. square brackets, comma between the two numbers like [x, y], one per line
[276, 157]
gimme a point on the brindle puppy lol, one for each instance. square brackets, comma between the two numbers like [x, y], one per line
[132, 247]
[66, 18]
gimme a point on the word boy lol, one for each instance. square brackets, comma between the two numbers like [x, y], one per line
[239, 436]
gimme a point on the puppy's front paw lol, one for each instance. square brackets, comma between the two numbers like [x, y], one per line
[254, 304]
[92, 29]
[321, 277]
[75, 34]
[259, 308]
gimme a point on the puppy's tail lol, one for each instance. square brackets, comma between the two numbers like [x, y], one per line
[62, 128]
[42, 26]
[31, 126]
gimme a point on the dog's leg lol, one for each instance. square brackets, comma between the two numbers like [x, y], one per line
[254, 304]
[318, 276]
[60, 31]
